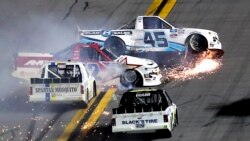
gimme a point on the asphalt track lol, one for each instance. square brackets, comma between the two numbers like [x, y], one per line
[215, 107]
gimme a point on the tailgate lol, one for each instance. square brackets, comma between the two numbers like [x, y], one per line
[56, 89]
[138, 121]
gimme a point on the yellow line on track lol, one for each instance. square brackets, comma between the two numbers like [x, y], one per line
[98, 111]
[75, 121]
[167, 8]
[153, 7]
[107, 97]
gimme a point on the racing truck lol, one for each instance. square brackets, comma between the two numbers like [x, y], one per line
[156, 39]
[99, 61]
[144, 110]
[63, 82]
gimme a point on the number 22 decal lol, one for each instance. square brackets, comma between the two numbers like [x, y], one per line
[156, 39]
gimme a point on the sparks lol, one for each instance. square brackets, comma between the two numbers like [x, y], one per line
[205, 66]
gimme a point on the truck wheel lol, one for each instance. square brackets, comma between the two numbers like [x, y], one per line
[87, 99]
[131, 78]
[94, 89]
[115, 45]
[197, 43]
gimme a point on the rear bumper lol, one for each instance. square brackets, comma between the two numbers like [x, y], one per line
[133, 129]
[55, 99]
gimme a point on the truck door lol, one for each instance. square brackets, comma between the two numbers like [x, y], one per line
[156, 32]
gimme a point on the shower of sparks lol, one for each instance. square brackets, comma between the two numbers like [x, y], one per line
[205, 66]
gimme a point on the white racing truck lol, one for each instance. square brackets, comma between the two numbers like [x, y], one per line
[63, 82]
[144, 110]
[154, 38]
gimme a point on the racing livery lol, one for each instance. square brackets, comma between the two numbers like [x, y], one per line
[101, 63]
[63, 82]
[144, 110]
[153, 37]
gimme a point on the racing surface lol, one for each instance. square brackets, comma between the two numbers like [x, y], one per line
[214, 107]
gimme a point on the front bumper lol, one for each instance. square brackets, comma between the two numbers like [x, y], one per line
[153, 80]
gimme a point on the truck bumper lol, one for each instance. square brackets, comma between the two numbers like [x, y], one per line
[133, 129]
[152, 81]
[55, 99]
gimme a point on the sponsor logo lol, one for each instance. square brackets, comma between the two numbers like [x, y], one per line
[174, 35]
[142, 95]
[106, 33]
[55, 90]
[91, 33]
[139, 121]
[122, 32]
[173, 30]
[35, 63]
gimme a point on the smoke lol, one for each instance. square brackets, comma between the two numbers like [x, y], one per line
[31, 26]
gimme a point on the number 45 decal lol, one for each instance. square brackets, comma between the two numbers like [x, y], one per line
[156, 39]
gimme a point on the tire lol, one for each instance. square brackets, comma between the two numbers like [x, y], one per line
[87, 99]
[196, 43]
[94, 89]
[115, 45]
[131, 78]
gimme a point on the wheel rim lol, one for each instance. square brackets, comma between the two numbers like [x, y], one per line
[130, 76]
[194, 43]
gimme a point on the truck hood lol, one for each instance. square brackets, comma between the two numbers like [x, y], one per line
[197, 30]
[135, 61]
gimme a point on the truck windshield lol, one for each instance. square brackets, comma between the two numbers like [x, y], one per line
[142, 99]
[68, 71]
[154, 23]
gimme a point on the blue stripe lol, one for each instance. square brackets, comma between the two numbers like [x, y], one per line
[87, 40]
[173, 47]
[177, 46]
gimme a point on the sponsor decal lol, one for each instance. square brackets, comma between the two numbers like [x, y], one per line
[55, 90]
[91, 33]
[122, 32]
[106, 33]
[173, 30]
[35, 63]
[142, 94]
[173, 35]
[125, 122]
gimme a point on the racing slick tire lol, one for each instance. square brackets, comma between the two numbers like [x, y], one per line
[176, 121]
[196, 43]
[115, 45]
[94, 89]
[131, 78]
[87, 97]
